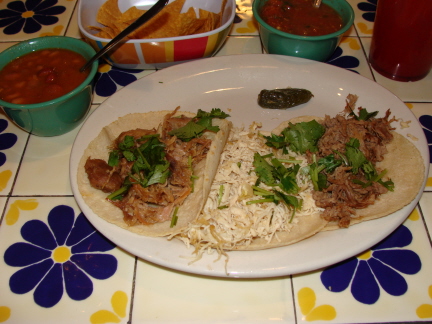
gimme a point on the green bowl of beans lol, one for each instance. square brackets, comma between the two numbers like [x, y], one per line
[41, 88]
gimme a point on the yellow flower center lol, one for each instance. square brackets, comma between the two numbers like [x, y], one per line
[365, 255]
[61, 254]
[103, 68]
[27, 14]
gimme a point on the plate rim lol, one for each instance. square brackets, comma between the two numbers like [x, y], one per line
[224, 61]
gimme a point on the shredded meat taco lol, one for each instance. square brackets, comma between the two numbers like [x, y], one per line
[150, 173]
[366, 169]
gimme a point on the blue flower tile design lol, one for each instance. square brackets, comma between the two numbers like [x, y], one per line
[109, 77]
[7, 140]
[63, 254]
[343, 61]
[369, 9]
[426, 122]
[29, 16]
[383, 268]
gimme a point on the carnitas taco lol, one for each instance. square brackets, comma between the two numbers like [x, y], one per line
[259, 199]
[150, 173]
[363, 169]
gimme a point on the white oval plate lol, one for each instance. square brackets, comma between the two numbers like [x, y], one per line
[232, 83]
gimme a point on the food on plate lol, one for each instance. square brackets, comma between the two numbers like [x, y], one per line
[361, 168]
[300, 17]
[151, 172]
[169, 22]
[259, 199]
[41, 76]
[283, 98]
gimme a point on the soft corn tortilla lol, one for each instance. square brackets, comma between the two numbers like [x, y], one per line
[405, 167]
[191, 207]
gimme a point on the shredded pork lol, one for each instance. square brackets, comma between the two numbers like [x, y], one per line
[155, 203]
[343, 196]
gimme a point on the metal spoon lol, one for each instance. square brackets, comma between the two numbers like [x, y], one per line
[137, 23]
[317, 3]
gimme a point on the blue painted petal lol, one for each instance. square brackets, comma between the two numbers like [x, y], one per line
[369, 16]
[49, 292]
[53, 11]
[338, 277]
[105, 86]
[121, 77]
[364, 287]
[78, 284]
[94, 243]
[31, 26]
[405, 261]
[346, 62]
[7, 140]
[45, 5]
[45, 20]
[364, 6]
[38, 233]
[401, 237]
[2, 158]
[60, 220]
[32, 4]
[23, 254]
[8, 16]
[24, 280]
[14, 25]
[391, 281]
[81, 229]
[3, 123]
[126, 70]
[426, 122]
[17, 6]
[338, 52]
[99, 266]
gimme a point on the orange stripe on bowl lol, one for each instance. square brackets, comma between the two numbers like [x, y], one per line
[153, 52]
[125, 54]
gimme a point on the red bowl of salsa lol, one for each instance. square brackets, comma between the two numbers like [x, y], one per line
[41, 87]
[296, 28]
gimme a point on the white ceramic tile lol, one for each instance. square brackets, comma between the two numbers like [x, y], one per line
[426, 208]
[165, 296]
[342, 307]
[99, 305]
[241, 45]
[46, 163]
[58, 28]
[13, 155]
[362, 26]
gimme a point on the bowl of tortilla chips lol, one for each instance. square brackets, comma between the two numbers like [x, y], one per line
[183, 30]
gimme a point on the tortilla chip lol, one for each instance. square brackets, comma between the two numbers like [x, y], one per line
[108, 12]
[190, 209]
[169, 22]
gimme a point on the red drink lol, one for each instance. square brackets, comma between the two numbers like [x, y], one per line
[401, 47]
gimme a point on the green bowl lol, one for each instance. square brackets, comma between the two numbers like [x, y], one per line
[318, 48]
[60, 115]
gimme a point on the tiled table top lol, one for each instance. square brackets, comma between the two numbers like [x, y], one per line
[116, 287]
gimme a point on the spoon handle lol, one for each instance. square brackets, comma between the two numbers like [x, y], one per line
[136, 24]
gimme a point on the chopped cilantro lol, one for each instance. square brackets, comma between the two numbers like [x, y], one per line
[199, 124]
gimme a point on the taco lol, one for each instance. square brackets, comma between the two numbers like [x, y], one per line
[244, 211]
[349, 199]
[120, 188]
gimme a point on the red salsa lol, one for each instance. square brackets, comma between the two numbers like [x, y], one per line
[300, 17]
[41, 76]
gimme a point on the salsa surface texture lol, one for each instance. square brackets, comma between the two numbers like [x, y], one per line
[299, 17]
